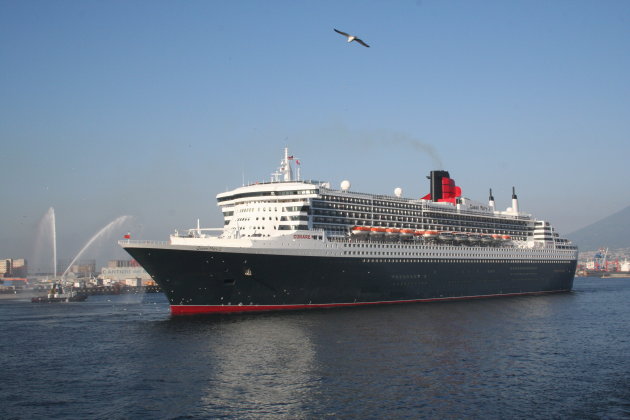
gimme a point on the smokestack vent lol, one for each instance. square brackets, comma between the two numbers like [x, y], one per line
[436, 184]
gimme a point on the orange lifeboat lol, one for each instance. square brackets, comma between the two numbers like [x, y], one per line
[406, 233]
[377, 233]
[360, 231]
[430, 234]
[474, 238]
[446, 236]
[392, 233]
[460, 237]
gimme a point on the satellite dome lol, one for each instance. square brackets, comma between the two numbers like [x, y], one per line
[345, 185]
[398, 192]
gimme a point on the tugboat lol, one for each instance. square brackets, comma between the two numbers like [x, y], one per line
[56, 294]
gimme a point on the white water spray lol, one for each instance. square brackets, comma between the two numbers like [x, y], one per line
[54, 239]
[111, 225]
[45, 240]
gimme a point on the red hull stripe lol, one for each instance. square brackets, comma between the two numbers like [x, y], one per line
[225, 309]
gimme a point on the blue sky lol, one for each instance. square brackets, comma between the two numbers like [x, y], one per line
[150, 108]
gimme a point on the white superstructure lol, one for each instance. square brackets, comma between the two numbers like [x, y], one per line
[289, 215]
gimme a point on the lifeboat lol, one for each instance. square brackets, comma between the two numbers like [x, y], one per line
[445, 236]
[430, 235]
[377, 233]
[505, 238]
[418, 234]
[486, 239]
[460, 238]
[360, 231]
[474, 238]
[406, 233]
[392, 233]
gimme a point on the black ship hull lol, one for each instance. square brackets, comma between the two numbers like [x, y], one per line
[224, 282]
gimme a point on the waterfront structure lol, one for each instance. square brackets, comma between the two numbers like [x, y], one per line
[114, 275]
[85, 268]
[13, 267]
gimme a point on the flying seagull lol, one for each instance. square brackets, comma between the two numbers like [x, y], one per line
[352, 38]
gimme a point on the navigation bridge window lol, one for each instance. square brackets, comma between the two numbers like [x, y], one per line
[266, 194]
[293, 227]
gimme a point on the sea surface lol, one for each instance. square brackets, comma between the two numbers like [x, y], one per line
[564, 356]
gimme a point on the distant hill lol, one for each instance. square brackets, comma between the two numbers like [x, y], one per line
[612, 232]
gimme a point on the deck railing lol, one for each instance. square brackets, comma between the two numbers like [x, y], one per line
[124, 242]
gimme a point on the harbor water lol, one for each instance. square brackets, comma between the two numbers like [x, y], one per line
[552, 356]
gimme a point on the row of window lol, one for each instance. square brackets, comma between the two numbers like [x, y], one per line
[453, 260]
[365, 219]
[409, 246]
[388, 212]
[327, 224]
[266, 194]
[285, 218]
[293, 227]
[266, 209]
[430, 255]
[303, 209]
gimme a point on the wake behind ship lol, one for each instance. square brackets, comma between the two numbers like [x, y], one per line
[297, 244]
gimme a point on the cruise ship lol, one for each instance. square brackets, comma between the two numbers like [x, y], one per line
[290, 243]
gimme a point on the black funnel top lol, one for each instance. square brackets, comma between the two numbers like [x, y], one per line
[436, 183]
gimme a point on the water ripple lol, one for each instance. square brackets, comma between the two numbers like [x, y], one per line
[560, 356]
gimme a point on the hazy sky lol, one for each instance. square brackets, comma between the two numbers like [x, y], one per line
[151, 108]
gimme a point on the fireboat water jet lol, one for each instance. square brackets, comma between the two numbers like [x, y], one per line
[46, 233]
[116, 222]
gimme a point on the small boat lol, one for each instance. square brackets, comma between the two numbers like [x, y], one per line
[474, 238]
[391, 233]
[445, 236]
[406, 234]
[461, 238]
[377, 233]
[360, 232]
[56, 294]
[430, 235]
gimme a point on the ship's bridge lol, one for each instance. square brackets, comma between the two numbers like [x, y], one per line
[268, 209]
